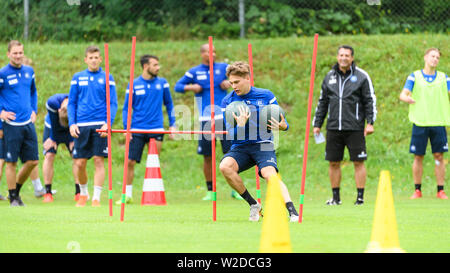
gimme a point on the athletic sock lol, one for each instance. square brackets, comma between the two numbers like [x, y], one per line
[48, 188]
[77, 189]
[360, 193]
[129, 190]
[97, 193]
[291, 209]
[37, 184]
[12, 194]
[336, 195]
[18, 187]
[246, 195]
[209, 185]
[440, 188]
[84, 189]
[418, 186]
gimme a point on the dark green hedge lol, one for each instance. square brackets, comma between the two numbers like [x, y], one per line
[186, 19]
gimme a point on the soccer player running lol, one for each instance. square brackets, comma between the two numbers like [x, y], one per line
[427, 93]
[196, 80]
[150, 92]
[251, 145]
[18, 109]
[87, 112]
[348, 97]
[56, 131]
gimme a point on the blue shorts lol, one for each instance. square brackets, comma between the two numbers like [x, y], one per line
[420, 136]
[20, 142]
[2, 149]
[89, 143]
[60, 138]
[204, 141]
[250, 155]
[138, 142]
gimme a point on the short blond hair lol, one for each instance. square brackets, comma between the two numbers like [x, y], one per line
[432, 49]
[239, 68]
[12, 44]
[92, 49]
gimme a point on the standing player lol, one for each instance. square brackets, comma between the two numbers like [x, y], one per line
[150, 92]
[56, 131]
[197, 81]
[427, 93]
[348, 97]
[87, 112]
[252, 145]
[18, 109]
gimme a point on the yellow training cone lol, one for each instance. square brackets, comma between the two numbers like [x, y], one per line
[275, 229]
[384, 231]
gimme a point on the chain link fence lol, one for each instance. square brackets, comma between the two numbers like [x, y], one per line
[78, 20]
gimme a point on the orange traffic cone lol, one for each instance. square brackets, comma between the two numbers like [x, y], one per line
[153, 192]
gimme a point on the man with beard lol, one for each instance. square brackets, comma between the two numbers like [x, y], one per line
[149, 93]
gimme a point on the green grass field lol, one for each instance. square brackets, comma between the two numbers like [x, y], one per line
[185, 225]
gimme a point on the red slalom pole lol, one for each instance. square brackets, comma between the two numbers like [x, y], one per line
[108, 121]
[128, 133]
[308, 121]
[213, 125]
[250, 62]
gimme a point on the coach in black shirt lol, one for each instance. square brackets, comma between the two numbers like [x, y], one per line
[348, 97]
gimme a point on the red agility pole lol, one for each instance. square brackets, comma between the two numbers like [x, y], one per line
[213, 125]
[250, 62]
[308, 121]
[164, 132]
[108, 121]
[128, 133]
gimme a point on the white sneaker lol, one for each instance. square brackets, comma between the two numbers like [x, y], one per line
[40, 193]
[293, 218]
[255, 212]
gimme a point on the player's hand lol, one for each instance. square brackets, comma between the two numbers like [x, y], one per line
[74, 131]
[33, 117]
[104, 127]
[1, 133]
[49, 143]
[277, 125]
[196, 88]
[225, 84]
[7, 116]
[172, 129]
[244, 115]
[316, 131]
[125, 135]
[71, 145]
[368, 130]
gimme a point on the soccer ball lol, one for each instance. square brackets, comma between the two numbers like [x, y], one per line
[234, 108]
[268, 112]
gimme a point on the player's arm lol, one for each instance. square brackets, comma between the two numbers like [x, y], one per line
[113, 98]
[72, 108]
[322, 108]
[125, 107]
[187, 83]
[406, 94]
[167, 99]
[34, 99]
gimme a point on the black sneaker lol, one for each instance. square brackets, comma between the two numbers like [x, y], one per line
[333, 202]
[20, 201]
[14, 203]
[359, 201]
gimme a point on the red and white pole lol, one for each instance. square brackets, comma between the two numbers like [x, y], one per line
[308, 121]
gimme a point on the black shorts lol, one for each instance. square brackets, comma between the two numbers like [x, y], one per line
[20, 142]
[60, 139]
[204, 142]
[338, 140]
[138, 142]
[89, 143]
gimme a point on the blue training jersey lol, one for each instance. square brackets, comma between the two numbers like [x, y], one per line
[256, 99]
[52, 118]
[148, 98]
[409, 84]
[87, 98]
[200, 75]
[18, 92]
